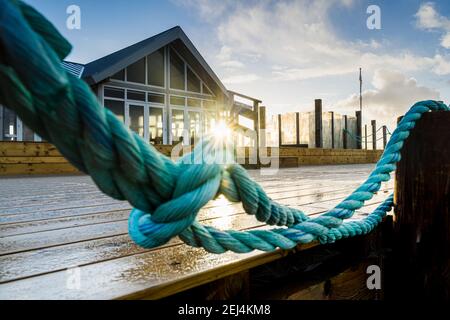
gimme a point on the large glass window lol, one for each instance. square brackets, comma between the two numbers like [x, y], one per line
[119, 75]
[210, 117]
[9, 125]
[156, 125]
[156, 98]
[28, 134]
[155, 68]
[177, 101]
[206, 90]
[111, 92]
[194, 126]
[137, 119]
[136, 72]
[208, 104]
[191, 102]
[117, 107]
[176, 71]
[193, 82]
[177, 125]
[135, 95]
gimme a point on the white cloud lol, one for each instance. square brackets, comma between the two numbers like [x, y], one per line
[240, 78]
[207, 9]
[391, 97]
[429, 19]
[264, 42]
[442, 65]
[299, 36]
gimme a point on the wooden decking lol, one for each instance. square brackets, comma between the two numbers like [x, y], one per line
[51, 224]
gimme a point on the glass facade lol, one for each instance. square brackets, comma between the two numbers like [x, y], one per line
[136, 72]
[177, 120]
[13, 129]
[193, 82]
[155, 68]
[177, 72]
[160, 97]
[156, 125]
[137, 118]
[194, 126]
[117, 107]
[9, 125]
[173, 107]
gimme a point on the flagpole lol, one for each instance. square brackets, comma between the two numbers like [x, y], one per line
[360, 91]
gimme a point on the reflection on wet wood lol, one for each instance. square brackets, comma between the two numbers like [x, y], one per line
[50, 224]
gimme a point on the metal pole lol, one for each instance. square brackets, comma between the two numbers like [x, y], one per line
[360, 90]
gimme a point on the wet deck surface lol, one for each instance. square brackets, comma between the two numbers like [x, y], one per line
[51, 224]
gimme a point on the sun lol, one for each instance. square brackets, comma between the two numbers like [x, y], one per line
[221, 130]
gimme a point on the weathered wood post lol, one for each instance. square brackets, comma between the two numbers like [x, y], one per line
[332, 130]
[318, 122]
[374, 134]
[358, 130]
[365, 135]
[344, 138]
[280, 142]
[256, 124]
[421, 233]
[1, 123]
[262, 126]
[297, 128]
[384, 137]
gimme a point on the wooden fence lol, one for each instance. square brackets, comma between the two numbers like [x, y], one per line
[17, 158]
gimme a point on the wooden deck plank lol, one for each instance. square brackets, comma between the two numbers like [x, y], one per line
[30, 263]
[47, 240]
[51, 212]
[74, 197]
[42, 239]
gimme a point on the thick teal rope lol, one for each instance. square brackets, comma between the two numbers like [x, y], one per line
[166, 195]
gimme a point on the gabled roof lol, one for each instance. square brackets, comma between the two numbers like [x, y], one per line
[107, 66]
[74, 68]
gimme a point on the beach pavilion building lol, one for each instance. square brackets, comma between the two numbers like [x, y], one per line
[161, 87]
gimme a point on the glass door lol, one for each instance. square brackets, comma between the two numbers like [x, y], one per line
[136, 118]
[177, 125]
[194, 126]
[156, 125]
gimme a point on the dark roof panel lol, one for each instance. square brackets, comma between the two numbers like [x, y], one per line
[74, 68]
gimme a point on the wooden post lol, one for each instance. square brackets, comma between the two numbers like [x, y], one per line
[297, 128]
[358, 130]
[344, 137]
[365, 135]
[1, 123]
[256, 123]
[374, 134]
[384, 137]
[332, 130]
[318, 122]
[262, 126]
[421, 252]
[280, 142]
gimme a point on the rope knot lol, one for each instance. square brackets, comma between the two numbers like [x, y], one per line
[195, 185]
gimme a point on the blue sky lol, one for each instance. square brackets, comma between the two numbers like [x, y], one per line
[287, 53]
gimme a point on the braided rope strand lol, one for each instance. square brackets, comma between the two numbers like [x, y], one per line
[166, 195]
